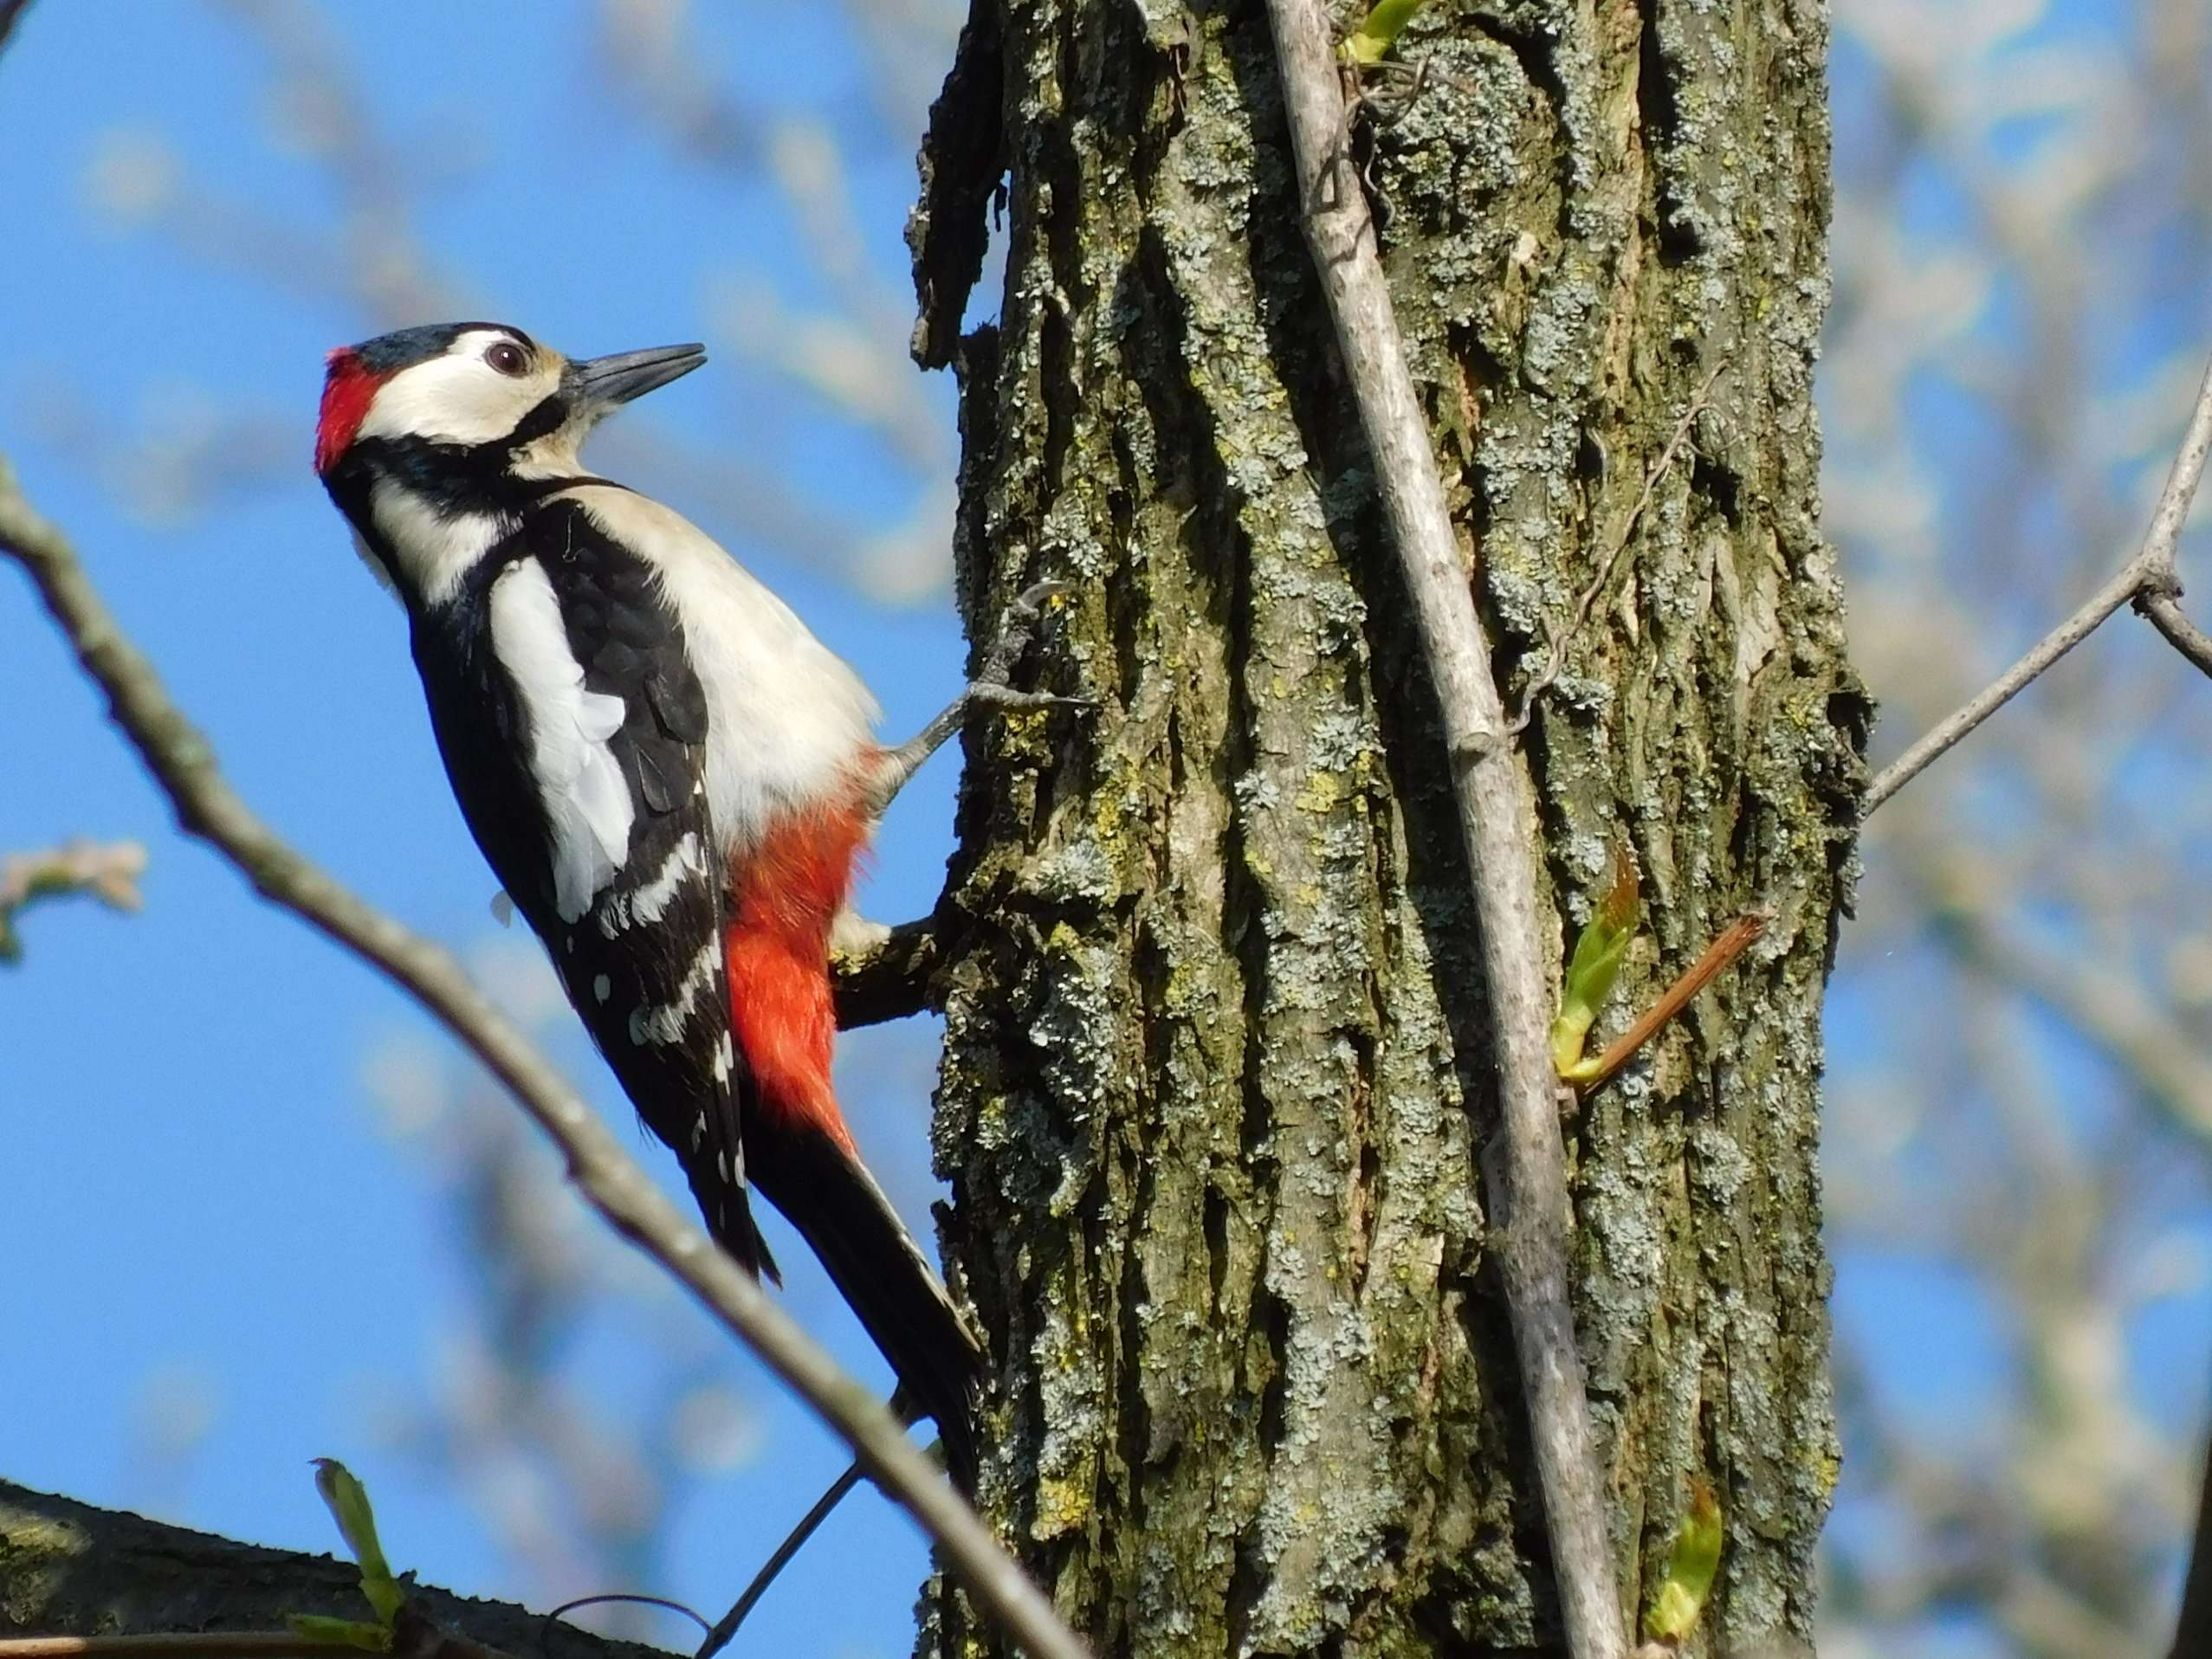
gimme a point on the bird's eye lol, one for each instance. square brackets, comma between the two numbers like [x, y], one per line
[506, 356]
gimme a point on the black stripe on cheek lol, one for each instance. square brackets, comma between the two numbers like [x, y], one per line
[549, 416]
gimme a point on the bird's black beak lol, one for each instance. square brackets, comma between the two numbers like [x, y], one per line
[606, 381]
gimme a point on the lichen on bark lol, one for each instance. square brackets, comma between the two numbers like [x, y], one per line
[1214, 1083]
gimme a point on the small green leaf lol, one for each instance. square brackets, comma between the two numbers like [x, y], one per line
[1595, 966]
[1379, 30]
[1691, 1566]
[347, 1501]
[341, 1632]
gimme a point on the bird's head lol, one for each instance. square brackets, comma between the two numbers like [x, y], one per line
[433, 440]
[482, 398]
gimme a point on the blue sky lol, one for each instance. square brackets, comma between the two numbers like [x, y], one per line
[203, 1192]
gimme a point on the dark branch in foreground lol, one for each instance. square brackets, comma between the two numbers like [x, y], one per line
[69, 1570]
[414, 1635]
[2150, 581]
[206, 806]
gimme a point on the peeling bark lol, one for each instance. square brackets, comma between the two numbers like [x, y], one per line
[1214, 1089]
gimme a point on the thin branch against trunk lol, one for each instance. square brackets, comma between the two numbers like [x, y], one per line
[1555, 656]
[1733, 941]
[207, 807]
[726, 1627]
[2150, 580]
[1527, 1172]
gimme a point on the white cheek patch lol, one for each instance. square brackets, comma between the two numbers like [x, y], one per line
[587, 803]
[456, 398]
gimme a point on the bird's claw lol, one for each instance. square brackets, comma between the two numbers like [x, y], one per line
[990, 690]
[1003, 699]
[1029, 604]
[1017, 628]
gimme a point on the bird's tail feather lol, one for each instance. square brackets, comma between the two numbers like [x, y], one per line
[829, 1196]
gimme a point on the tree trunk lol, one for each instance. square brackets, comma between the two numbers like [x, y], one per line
[1215, 1080]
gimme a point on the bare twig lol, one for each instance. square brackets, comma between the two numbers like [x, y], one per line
[2151, 579]
[627, 1598]
[1529, 1204]
[1732, 942]
[2164, 613]
[611, 1181]
[2135, 1031]
[1557, 654]
[727, 1626]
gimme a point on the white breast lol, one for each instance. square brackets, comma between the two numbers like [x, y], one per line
[587, 803]
[788, 720]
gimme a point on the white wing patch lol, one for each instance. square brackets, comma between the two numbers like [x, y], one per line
[587, 800]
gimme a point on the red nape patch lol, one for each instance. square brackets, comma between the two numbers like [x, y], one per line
[348, 388]
[787, 896]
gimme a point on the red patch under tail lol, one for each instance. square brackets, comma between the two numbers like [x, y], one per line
[787, 894]
[349, 387]
[797, 1151]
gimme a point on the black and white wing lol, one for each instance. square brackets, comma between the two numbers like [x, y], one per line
[574, 731]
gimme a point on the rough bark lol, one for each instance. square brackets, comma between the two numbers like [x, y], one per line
[1214, 1083]
[68, 1569]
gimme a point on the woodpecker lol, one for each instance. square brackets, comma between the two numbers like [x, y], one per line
[671, 777]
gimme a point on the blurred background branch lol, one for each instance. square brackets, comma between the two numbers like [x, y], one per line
[77, 868]
[2017, 1149]
[2149, 582]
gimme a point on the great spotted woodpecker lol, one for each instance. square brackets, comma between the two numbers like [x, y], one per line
[669, 774]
